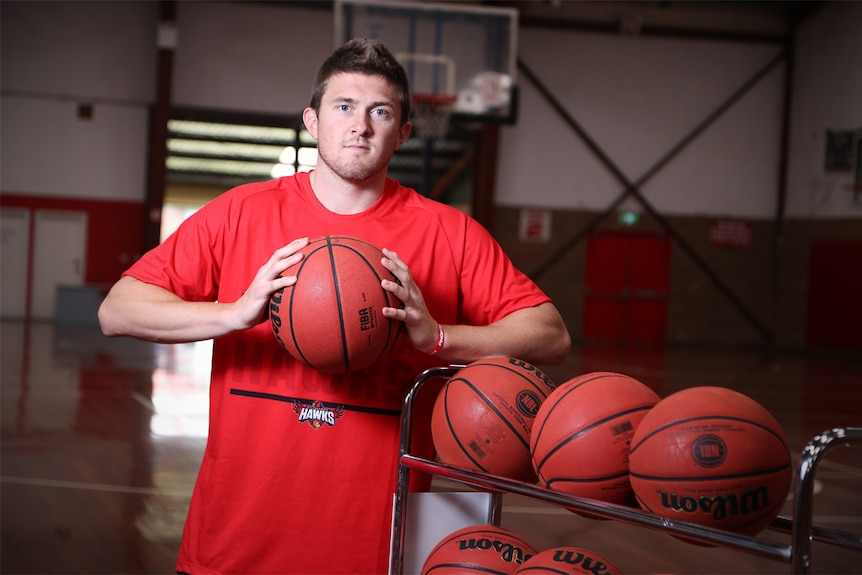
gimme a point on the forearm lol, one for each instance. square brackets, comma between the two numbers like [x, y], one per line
[537, 335]
[143, 311]
[146, 311]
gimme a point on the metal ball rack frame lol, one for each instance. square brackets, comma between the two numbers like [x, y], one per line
[800, 527]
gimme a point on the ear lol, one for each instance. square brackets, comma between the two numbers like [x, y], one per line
[403, 134]
[309, 118]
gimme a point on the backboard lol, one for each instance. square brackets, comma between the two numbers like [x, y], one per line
[449, 50]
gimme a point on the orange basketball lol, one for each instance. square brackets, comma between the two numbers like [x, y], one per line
[483, 416]
[331, 318]
[565, 560]
[581, 438]
[478, 549]
[712, 456]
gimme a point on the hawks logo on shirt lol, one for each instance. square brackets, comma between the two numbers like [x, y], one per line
[316, 414]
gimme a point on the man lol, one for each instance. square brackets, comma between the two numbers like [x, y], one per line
[275, 494]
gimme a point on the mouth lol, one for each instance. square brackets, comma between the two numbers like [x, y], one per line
[358, 146]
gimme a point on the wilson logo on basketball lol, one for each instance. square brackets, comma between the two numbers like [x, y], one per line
[709, 451]
[720, 507]
[530, 368]
[585, 562]
[528, 403]
[508, 553]
[316, 414]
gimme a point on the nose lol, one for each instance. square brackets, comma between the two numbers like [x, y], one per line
[362, 125]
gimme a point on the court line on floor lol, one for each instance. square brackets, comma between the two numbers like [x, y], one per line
[143, 400]
[94, 486]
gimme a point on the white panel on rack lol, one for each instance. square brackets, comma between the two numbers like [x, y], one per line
[433, 515]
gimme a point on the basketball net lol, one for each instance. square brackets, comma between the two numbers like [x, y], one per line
[431, 114]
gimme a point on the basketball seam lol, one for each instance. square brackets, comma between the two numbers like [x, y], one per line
[486, 401]
[564, 391]
[336, 285]
[454, 435]
[701, 417]
[476, 568]
[390, 336]
[590, 427]
[452, 432]
[758, 473]
[296, 345]
[516, 372]
[586, 479]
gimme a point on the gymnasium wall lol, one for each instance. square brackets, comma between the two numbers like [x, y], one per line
[637, 98]
[78, 81]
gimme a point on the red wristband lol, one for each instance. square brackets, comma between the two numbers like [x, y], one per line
[441, 339]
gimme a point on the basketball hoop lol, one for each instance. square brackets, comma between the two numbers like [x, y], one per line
[431, 114]
[432, 81]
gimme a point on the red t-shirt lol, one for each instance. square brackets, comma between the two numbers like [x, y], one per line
[278, 492]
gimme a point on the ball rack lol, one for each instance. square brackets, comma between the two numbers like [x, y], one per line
[801, 528]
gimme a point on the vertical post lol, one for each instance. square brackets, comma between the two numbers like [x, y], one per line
[485, 175]
[781, 199]
[166, 39]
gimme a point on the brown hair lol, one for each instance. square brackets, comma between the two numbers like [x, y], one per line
[364, 56]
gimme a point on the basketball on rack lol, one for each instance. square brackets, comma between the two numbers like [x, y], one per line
[478, 549]
[565, 560]
[711, 456]
[331, 318]
[483, 416]
[581, 438]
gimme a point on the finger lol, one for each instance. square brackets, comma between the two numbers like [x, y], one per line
[288, 256]
[391, 261]
[283, 282]
[290, 249]
[394, 313]
[394, 288]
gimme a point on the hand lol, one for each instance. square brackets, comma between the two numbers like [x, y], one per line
[421, 327]
[251, 308]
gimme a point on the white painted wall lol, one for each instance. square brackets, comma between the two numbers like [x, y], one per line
[56, 56]
[637, 98]
[47, 150]
[250, 57]
[101, 50]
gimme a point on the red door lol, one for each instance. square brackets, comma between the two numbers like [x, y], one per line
[626, 280]
[834, 285]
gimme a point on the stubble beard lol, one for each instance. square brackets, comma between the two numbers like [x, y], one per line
[355, 170]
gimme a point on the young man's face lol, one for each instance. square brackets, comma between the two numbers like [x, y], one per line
[358, 127]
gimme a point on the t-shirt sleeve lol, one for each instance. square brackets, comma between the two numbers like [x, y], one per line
[188, 262]
[492, 287]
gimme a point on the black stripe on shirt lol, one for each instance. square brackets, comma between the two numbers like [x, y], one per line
[329, 404]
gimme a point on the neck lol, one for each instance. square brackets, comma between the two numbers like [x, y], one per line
[344, 197]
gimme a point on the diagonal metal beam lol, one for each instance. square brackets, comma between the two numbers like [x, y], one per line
[633, 188]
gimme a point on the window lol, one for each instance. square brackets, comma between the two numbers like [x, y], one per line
[227, 153]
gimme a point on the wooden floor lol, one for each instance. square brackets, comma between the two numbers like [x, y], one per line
[101, 440]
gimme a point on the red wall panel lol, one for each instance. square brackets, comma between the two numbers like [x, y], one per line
[114, 231]
[834, 288]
